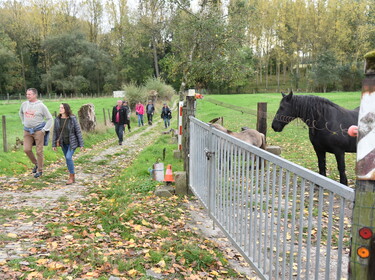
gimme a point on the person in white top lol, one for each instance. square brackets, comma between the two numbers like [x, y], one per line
[37, 122]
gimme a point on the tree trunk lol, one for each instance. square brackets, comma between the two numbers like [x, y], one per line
[278, 74]
[23, 69]
[266, 73]
[156, 63]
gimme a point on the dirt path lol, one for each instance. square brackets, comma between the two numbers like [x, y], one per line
[29, 203]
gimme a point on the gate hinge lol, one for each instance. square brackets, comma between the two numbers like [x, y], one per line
[209, 154]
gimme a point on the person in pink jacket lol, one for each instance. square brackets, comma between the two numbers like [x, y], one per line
[140, 110]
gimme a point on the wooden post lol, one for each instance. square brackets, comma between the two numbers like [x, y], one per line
[362, 259]
[5, 143]
[187, 111]
[109, 116]
[262, 118]
[105, 121]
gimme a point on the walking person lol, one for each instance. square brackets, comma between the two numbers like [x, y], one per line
[37, 122]
[125, 104]
[119, 119]
[140, 111]
[166, 115]
[150, 109]
[67, 134]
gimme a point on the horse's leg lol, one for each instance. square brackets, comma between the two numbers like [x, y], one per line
[340, 158]
[321, 162]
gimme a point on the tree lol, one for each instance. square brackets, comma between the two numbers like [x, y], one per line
[9, 66]
[205, 50]
[94, 14]
[324, 73]
[78, 65]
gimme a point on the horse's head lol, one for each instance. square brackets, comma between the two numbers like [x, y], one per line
[284, 114]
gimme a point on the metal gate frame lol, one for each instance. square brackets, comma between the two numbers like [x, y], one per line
[288, 222]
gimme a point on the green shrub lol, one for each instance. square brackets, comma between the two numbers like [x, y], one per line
[134, 94]
[165, 92]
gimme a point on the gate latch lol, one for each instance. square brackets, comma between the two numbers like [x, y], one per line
[209, 154]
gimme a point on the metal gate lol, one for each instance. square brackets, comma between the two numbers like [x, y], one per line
[287, 221]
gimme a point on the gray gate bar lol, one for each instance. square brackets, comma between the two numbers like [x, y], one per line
[287, 221]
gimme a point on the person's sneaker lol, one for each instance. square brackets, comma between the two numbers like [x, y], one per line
[120, 143]
[38, 174]
[35, 169]
[130, 130]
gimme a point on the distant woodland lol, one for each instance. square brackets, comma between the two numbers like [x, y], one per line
[233, 46]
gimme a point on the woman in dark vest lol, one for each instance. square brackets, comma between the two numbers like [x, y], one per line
[67, 135]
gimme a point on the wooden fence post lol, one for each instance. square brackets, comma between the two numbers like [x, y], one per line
[262, 118]
[105, 121]
[362, 258]
[5, 143]
[109, 116]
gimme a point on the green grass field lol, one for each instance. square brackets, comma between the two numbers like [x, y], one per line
[293, 140]
[15, 162]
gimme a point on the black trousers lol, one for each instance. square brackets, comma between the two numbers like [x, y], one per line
[149, 118]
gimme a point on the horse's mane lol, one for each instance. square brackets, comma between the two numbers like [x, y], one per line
[310, 106]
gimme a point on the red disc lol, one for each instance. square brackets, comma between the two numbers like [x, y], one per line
[365, 233]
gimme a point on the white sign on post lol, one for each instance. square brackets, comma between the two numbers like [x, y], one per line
[191, 92]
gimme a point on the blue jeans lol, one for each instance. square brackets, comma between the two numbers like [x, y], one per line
[119, 128]
[140, 120]
[68, 153]
[166, 122]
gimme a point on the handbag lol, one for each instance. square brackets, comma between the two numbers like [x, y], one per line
[58, 140]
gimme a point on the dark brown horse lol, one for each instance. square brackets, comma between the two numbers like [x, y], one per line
[328, 125]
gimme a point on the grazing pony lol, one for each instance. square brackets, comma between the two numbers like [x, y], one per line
[250, 136]
[328, 125]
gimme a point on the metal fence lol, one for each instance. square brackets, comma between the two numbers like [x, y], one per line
[287, 221]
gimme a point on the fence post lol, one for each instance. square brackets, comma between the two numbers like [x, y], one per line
[262, 118]
[105, 121]
[109, 116]
[5, 143]
[362, 259]
[188, 110]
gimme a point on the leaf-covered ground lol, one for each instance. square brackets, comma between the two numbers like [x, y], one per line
[108, 225]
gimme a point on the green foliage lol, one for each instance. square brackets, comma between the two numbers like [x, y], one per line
[350, 76]
[78, 65]
[165, 92]
[221, 46]
[135, 94]
[324, 73]
[9, 66]
[135, 60]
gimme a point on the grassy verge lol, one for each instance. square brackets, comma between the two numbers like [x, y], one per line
[122, 229]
